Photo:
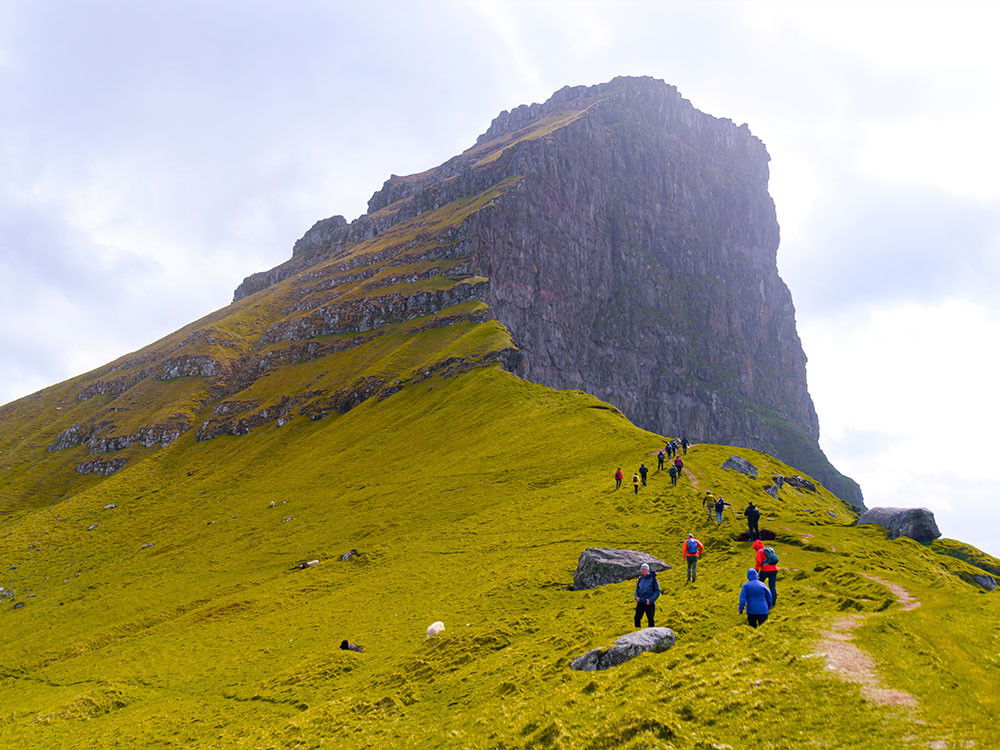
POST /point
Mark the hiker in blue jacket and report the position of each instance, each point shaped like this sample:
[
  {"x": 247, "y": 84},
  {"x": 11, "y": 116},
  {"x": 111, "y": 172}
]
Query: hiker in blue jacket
[
  {"x": 755, "y": 597},
  {"x": 647, "y": 590}
]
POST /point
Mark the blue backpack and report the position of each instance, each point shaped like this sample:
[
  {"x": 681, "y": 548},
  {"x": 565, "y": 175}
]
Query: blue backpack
[{"x": 692, "y": 546}]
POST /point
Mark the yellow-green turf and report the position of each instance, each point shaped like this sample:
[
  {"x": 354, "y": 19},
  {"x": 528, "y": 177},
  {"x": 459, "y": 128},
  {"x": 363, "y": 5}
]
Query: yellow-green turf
[{"x": 469, "y": 498}]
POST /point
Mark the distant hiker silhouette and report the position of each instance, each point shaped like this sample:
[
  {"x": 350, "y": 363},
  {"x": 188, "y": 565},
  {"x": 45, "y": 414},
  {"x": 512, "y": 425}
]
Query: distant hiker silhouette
[
  {"x": 752, "y": 514},
  {"x": 685, "y": 444},
  {"x": 756, "y": 599},
  {"x": 673, "y": 475},
  {"x": 659, "y": 457},
  {"x": 647, "y": 590},
  {"x": 692, "y": 551},
  {"x": 642, "y": 472},
  {"x": 720, "y": 505},
  {"x": 635, "y": 483},
  {"x": 618, "y": 478},
  {"x": 766, "y": 564}
]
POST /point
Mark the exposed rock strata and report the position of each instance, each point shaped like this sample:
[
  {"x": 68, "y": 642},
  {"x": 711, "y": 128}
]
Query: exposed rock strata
[{"x": 634, "y": 258}]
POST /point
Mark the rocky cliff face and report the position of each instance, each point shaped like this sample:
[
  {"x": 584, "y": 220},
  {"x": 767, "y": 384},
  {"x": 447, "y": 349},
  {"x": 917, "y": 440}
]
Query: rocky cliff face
[{"x": 630, "y": 248}]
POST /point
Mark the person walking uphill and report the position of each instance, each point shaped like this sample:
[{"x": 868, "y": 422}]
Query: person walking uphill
[
  {"x": 692, "y": 551},
  {"x": 720, "y": 505},
  {"x": 618, "y": 478},
  {"x": 685, "y": 444},
  {"x": 642, "y": 472},
  {"x": 756, "y": 599},
  {"x": 679, "y": 465},
  {"x": 635, "y": 483},
  {"x": 767, "y": 566},
  {"x": 752, "y": 514},
  {"x": 647, "y": 591},
  {"x": 659, "y": 457}
]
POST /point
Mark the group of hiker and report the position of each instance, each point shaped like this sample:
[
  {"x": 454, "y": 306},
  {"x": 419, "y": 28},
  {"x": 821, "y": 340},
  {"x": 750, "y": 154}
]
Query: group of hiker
[{"x": 757, "y": 596}]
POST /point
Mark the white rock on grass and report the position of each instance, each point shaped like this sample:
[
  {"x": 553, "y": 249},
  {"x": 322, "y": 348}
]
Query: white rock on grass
[{"x": 434, "y": 628}]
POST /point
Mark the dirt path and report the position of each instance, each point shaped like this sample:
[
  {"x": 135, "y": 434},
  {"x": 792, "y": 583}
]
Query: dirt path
[
  {"x": 689, "y": 475},
  {"x": 852, "y": 664}
]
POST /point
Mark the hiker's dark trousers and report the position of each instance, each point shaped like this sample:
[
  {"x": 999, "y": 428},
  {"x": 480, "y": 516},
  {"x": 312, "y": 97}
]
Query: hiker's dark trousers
[
  {"x": 618, "y": 483},
  {"x": 648, "y": 609},
  {"x": 755, "y": 620},
  {"x": 771, "y": 577},
  {"x": 692, "y": 569},
  {"x": 673, "y": 479},
  {"x": 661, "y": 462},
  {"x": 752, "y": 528}
]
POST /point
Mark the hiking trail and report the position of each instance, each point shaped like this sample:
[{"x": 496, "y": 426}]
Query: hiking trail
[{"x": 852, "y": 664}]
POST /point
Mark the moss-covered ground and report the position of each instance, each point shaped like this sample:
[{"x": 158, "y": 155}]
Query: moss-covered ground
[{"x": 469, "y": 499}]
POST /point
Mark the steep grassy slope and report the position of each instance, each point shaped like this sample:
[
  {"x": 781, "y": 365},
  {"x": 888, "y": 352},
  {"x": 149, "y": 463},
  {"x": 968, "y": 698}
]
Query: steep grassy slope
[{"x": 469, "y": 497}]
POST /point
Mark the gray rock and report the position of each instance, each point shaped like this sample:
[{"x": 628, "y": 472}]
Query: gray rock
[
  {"x": 740, "y": 464},
  {"x": 146, "y": 546},
  {"x": 601, "y": 566},
  {"x": 655, "y": 640},
  {"x": 92, "y": 527},
  {"x": 110, "y": 506},
  {"x": 772, "y": 490},
  {"x": 18, "y": 605},
  {"x": 348, "y": 555},
  {"x": 915, "y": 523},
  {"x": 987, "y": 582}
]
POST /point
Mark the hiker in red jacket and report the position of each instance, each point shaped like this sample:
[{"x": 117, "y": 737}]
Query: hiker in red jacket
[
  {"x": 768, "y": 571},
  {"x": 692, "y": 551},
  {"x": 618, "y": 478},
  {"x": 679, "y": 464}
]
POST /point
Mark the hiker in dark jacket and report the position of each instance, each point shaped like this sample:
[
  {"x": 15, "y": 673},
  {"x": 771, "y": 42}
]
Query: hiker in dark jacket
[
  {"x": 720, "y": 505},
  {"x": 647, "y": 590},
  {"x": 768, "y": 571},
  {"x": 685, "y": 444},
  {"x": 670, "y": 449},
  {"x": 692, "y": 551},
  {"x": 756, "y": 599},
  {"x": 659, "y": 457},
  {"x": 642, "y": 472},
  {"x": 673, "y": 475},
  {"x": 752, "y": 514}
]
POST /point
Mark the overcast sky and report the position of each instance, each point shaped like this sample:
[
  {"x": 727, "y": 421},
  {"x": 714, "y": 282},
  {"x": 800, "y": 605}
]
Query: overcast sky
[{"x": 152, "y": 154}]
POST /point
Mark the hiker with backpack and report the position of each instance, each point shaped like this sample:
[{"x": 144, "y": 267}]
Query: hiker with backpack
[
  {"x": 635, "y": 483},
  {"x": 642, "y": 472},
  {"x": 709, "y": 502},
  {"x": 767, "y": 566},
  {"x": 756, "y": 599},
  {"x": 647, "y": 590},
  {"x": 659, "y": 457},
  {"x": 720, "y": 505},
  {"x": 752, "y": 514},
  {"x": 685, "y": 444},
  {"x": 679, "y": 463},
  {"x": 618, "y": 478},
  {"x": 692, "y": 551},
  {"x": 673, "y": 475}
]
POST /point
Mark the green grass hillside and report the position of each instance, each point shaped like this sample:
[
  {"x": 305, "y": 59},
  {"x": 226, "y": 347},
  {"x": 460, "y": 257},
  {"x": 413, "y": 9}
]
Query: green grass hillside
[{"x": 469, "y": 496}]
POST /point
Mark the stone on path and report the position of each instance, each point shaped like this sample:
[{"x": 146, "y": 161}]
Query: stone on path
[
  {"x": 916, "y": 523},
  {"x": 626, "y": 647},
  {"x": 601, "y": 566},
  {"x": 740, "y": 464}
]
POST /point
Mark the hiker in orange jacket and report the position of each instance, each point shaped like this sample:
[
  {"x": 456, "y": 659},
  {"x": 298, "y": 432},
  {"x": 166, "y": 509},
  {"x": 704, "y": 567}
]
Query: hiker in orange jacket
[
  {"x": 692, "y": 551},
  {"x": 768, "y": 571}
]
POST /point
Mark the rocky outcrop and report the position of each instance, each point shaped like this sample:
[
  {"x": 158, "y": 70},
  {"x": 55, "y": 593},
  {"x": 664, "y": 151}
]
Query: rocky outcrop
[
  {"x": 655, "y": 640},
  {"x": 601, "y": 566},
  {"x": 916, "y": 523},
  {"x": 105, "y": 467},
  {"x": 796, "y": 482},
  {"x": 740, "y": 464},
  {"x": 984, "y": 581},
  {"x": 629, "y": 242}
]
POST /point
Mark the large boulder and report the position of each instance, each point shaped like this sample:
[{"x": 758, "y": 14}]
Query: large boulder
[
  {"x": 985, "y": 581},
  {"x": 740, "y": 464},
  {"x": 626, "y": 647},
  {"x": 915, "y": 523},
  {"x": 601, "y": 566}
]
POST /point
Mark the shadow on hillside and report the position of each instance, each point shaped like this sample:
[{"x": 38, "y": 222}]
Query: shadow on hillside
[{"x": 766, "y": 534}]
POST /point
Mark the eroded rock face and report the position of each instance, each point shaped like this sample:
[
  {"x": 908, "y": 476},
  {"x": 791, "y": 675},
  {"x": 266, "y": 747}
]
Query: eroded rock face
[
  {"x": 916, "y": 523},
  {"x": 740, "y": 464},
  {"x": 655, "y": 640},
  {"x": 601, "y": 566}
]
